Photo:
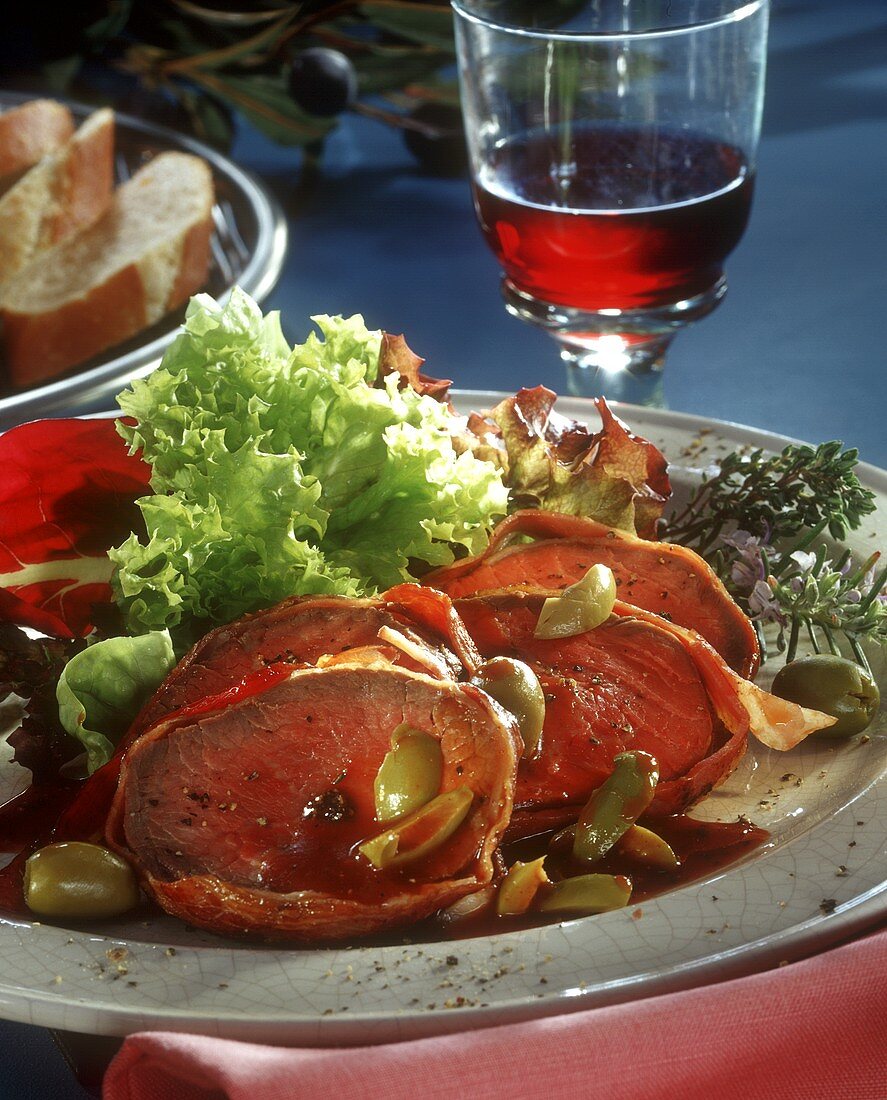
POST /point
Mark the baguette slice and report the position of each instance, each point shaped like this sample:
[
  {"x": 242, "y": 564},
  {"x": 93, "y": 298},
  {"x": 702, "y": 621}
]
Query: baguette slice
[
  {"x": 145, "y": 256},
  {"x": 64, "y": 192},
  {"x": 29, "y": 133}
]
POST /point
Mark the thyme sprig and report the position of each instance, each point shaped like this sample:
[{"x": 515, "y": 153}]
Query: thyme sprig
[
  {"x": 782, "y": 494},
  {"x": 757, "y": 519}
]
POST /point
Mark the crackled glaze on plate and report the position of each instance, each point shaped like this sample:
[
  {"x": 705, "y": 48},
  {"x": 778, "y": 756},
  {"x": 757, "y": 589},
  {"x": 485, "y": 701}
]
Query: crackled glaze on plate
[{"x": 822, "y": 877}]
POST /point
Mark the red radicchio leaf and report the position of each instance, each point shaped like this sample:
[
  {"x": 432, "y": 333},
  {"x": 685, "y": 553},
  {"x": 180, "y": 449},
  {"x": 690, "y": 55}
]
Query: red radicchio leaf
[
  {"x": 67, "y": 489},
  {"x": 556, "y": 463},
  {"x": 395, "y": 357}
]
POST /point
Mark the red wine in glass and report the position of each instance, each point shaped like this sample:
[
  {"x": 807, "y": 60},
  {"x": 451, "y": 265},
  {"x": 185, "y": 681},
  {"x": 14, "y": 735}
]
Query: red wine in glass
[{"x": 601, "y": 217}]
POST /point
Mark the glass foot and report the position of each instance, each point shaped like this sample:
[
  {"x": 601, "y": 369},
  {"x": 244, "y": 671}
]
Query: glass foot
[
  {"x": 614, "y": 353},
  {"x": 618, "y": 367}
]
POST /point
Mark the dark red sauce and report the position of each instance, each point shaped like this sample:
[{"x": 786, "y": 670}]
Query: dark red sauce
[
  {"x": 76, "y": 810},
  {"x": 703, "y": 848}
]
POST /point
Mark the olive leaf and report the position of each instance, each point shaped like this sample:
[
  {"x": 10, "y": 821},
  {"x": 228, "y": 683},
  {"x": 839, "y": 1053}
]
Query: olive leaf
[
  {"x": 110, "y": 25},
  {"x": 265, "y": 101},
  {"x": 377, "y": 74},
  {"x": 435, "y": 90},
  {"x": 211, "y": 121},
  {"x": 430, "y": 24},
  {"x": 236, "y": 51}
]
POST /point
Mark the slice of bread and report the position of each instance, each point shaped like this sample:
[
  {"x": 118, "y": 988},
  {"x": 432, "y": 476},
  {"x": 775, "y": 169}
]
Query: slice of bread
[
  {"x": 30, "y": 132},
  {"x": 148, "y": 254},
  {"x": 64, "y": 192}
]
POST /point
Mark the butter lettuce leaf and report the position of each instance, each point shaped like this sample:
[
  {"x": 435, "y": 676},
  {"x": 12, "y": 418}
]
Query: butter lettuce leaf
[
  {"x": 279, "y": 472},
  {"x": 102, "y": 689}
]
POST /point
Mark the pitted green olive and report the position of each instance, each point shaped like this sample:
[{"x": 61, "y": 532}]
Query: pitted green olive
[
  {"x": 833, "y": 685},
  {"x": 615, "y": 806},
  {"x": 516, "y": 687},
  {"x": 421, "y": 833},
  {"x": 648, "y": 848},
  {"x": 410, "y": 774},
  {"x": 586, "y": 894},
  {"x": 79, "y": 881},
  {"x": 520, "y": 886},
  {"x": 580, "y": 607}
]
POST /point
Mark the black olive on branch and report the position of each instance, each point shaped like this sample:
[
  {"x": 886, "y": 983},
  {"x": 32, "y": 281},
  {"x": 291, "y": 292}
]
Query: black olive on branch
[{"x": 322, "y": 81}]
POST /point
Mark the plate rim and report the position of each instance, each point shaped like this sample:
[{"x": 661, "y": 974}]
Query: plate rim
[{"x": 56, "y": 1008}]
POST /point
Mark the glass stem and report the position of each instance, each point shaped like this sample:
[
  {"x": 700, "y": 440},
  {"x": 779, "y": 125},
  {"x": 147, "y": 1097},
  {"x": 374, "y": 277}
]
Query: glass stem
[{"x": 615, "y": 365}]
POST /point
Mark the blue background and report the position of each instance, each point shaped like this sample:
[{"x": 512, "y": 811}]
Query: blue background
[{"x": 797, "y": 346}]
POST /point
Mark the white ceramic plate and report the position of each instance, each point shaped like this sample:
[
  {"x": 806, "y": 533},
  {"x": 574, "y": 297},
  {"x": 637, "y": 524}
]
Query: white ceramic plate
[{"x": 821, "y": 878}]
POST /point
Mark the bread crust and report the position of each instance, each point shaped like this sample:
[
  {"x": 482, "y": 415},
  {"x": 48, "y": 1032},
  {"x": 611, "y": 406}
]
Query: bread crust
[
  {"x": 43, "y": 345},
  {"x": 62, "y": 194},
  {"x": 85, "y": 182},
  {"x": 30, "y": 132},
  {"x": 194, "y": 264},
  {"x": 45, "y": 339}
]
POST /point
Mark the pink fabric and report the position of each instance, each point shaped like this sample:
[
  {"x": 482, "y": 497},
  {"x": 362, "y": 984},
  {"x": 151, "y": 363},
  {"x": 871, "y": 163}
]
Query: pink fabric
[{"x": 815, "y": 1030}]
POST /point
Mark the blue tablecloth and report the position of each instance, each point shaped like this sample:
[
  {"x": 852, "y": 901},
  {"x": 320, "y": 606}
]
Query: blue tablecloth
[{"x": 797, "y": 346}]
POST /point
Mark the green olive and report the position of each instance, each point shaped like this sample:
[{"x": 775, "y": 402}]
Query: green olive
[
  {"x": 833, "y": 685},
  {"x": 647, "y": 848},
  {"x": 587, "y": 894},
  {"x": 516, "y": 687},
  {"x": 520, "y": 886},
  {"x": 615, "y": 806},
  {"x": 421, "y": 833},
  {"x": 580, "y": 607},
  {"x": 79, "y": 881},
  {"x": 410, "y": 774}
]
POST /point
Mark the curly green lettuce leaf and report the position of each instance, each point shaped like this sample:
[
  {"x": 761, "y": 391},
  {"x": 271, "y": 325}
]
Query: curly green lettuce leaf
[
  {"x": 424, "y": 500},
  {"x": 279, "y": 473},
  {"x": 102, "y": 689}
]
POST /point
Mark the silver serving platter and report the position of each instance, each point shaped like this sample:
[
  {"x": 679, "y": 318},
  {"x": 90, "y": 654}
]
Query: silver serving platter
[{"x": 248, "y": 249}]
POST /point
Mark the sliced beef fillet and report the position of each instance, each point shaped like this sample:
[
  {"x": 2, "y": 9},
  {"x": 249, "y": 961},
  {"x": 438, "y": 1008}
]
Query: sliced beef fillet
[
  {"x": 635, "y": 682},
  {"x": 626, "y": 685},
  {"x": 409, "y": 625},
  {"x": 657, "y": 576},
  {"x": 247, "y": 819}
]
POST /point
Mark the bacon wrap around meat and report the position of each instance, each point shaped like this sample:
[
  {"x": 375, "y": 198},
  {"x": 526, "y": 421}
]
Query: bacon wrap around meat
[
  {"x": 245, "y": 819},
  {"x": 635, "y": 682},
  {"x": 629, "y": 684},
  {"x": 668, "y": 580},
  {"x": 409, "y": 625}
]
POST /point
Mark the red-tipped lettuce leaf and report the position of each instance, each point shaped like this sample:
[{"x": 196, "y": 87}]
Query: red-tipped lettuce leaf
[
  {"x": 67, "y": 489},
  {"x": 556, "y": 463},
  {"x": 396, "y": 357}
]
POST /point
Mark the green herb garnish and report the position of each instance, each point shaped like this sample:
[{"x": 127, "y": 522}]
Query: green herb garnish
[{"x": 757, "y": 519}]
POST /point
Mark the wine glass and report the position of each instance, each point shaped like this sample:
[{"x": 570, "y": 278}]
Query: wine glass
[{"x": 612, "y": 147}]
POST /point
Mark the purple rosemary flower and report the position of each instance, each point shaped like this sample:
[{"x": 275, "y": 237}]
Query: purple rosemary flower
[
  {"x": 764, "y": 606},
  {"x": 747, "y": 569}
]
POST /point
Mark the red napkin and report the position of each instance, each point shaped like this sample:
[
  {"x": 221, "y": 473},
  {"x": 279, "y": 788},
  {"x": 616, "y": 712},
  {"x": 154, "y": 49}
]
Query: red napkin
[{"x": 815, "y": 1030}]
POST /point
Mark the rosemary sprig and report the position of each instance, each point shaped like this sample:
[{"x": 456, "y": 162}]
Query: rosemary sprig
[
  {"x": 819, "y": 594},
  {"x": 757, "y": 520}
]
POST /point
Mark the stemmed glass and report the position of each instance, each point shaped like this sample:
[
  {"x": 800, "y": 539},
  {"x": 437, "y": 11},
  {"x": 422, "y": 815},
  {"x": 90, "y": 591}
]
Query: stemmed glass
[{"x": 612, "y": 147}]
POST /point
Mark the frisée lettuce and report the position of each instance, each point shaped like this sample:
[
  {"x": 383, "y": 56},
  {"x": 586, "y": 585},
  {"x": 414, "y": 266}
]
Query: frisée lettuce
[{"x": 278, "y": 472}]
